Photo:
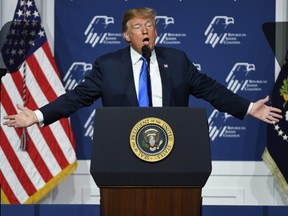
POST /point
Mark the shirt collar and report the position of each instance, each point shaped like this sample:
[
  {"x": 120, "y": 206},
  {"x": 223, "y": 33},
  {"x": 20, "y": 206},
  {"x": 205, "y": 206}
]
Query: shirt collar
[{"x": 135, "y": 56}]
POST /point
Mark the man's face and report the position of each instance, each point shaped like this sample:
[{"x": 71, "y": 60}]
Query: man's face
[{"x": 140, "y": 32}]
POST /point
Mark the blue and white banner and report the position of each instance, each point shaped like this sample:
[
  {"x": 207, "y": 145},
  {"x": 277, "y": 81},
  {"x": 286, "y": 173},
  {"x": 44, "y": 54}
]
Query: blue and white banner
[{"x": 223, "y": 38}]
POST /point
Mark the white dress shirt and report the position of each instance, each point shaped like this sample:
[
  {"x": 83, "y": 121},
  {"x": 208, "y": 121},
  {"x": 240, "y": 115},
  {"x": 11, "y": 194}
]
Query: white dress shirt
[{"x": 156, "y": 84}]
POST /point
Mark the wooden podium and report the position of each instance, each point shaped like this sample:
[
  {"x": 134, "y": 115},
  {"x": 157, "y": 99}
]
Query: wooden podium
[{"x": 133, "y": 185}]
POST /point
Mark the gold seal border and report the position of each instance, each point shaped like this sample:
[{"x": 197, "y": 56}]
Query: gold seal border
[{"x": 133, "y": 139}]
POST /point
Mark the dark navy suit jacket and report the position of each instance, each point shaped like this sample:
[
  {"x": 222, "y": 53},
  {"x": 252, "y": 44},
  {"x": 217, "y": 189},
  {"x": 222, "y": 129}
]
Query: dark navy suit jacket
[{"x": 112, "y": 80}]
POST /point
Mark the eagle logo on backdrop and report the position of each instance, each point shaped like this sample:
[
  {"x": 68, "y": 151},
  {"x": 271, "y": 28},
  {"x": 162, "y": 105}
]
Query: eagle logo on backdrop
[
  {"x": 151, "y": 139},
  {"x": 165, "y": 36},
  {"x": 216, "y": 32},
  {"x": 75, "y": 74},
  {"x": 163, "y": 21},
  {"x": 97, "y": 31},
  {"x": 237, "y": 79}
]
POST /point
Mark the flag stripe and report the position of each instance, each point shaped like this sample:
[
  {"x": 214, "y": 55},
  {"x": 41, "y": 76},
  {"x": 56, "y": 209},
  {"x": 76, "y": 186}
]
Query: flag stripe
[
  {"x": 51, "y": 80},
  {"x": 49, "y": 55},
  {"x": 15, "y": 158},
  {"x": 40, "y": 78},
  {"x": 4, "y": 184}
]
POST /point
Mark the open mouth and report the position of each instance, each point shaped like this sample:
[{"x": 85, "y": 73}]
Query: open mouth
[{"x": 146, "y": 41}]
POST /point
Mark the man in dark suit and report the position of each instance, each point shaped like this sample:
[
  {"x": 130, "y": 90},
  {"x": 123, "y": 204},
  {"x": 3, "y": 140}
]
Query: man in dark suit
[{"x": 115, "y": 78}]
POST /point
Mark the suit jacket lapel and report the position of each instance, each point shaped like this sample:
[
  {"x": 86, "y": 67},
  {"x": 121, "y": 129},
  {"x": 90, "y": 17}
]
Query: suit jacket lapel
[
  {"x": 163, "y": 64},
  {"x": 127, "y": 77}
]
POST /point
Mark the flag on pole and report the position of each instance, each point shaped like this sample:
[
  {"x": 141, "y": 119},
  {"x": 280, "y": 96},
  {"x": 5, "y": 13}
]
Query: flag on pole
[
  {"x": 28, "y": 174},
  {"x": 276, "y": 151}
]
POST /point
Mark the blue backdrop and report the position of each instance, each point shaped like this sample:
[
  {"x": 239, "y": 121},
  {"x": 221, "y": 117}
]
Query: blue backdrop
[{"x": 223, "y": 38}]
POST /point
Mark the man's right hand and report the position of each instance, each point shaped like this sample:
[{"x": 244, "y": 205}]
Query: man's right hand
[{"x": 25, "y": 118}]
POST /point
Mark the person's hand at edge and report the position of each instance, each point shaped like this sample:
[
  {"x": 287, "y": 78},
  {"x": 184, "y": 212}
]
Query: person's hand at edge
[
  {"x": 265, "y": 113},
  {"x": 25, "y": 118}
]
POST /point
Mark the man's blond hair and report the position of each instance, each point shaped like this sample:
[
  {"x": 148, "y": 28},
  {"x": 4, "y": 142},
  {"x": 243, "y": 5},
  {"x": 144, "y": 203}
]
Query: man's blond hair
[{"x": 144, "y": 12}]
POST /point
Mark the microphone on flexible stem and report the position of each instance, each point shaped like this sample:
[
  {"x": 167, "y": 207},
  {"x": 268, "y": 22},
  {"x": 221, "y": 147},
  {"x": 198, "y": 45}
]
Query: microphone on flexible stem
[{"x": 146, "y": 53}]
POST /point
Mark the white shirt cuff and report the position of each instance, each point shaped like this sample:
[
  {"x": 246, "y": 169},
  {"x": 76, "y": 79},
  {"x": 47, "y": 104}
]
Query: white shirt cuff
[
  {"x": 250, "y": 108},
  {"x": 40, "y": 117}
]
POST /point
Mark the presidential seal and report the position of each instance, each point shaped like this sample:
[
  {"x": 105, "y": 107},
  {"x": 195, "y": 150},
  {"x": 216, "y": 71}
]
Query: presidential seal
[{"x": 151, "y": 139}]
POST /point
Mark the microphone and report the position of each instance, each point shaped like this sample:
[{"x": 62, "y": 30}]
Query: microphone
[{"x": 146, "y": 52}]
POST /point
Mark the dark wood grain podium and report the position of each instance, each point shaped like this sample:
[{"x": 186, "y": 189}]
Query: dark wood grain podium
[{"x": 131, "y": 186}]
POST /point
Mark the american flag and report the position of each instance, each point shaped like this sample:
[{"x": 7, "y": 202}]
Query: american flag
[{"x": 26, "y": 176}]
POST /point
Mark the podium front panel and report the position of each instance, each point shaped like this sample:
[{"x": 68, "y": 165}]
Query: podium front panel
[{"x": 113, "y": 162}]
